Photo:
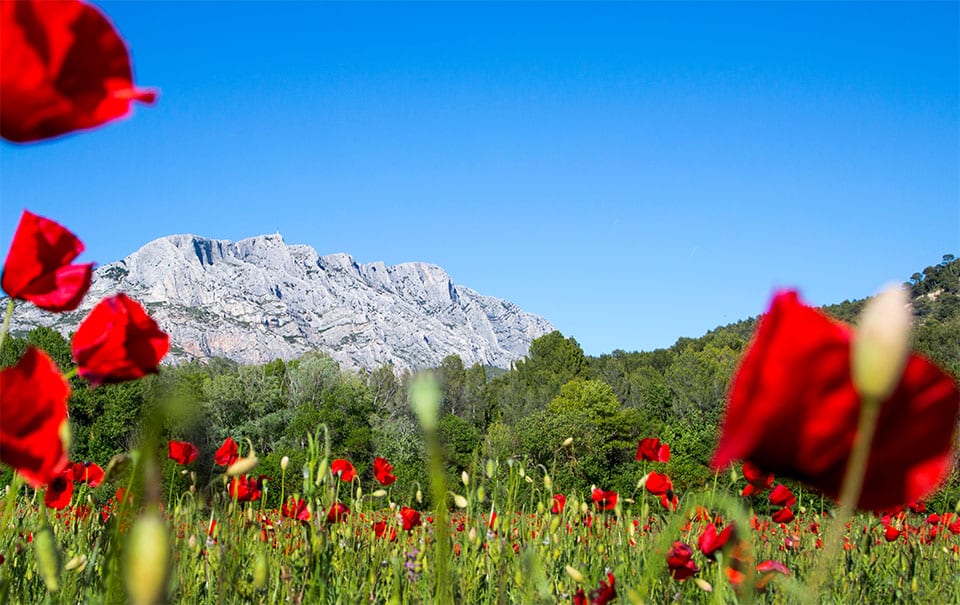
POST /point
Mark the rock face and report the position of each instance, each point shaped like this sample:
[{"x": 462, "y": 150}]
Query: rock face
[{"x": 258, "y": 299}]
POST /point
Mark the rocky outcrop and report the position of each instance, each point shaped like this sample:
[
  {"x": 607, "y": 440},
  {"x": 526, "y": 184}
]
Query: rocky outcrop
[{"x": 258, "y": 299}]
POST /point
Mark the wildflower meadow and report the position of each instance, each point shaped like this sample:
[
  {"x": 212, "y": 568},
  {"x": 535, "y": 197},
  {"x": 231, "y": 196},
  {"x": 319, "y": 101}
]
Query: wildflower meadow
[{"x": 833, "y": 479}]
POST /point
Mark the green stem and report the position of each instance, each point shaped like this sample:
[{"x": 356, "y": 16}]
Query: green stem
[
  {"x": 6, "y": 323},
  {"x": 849, "y": 494}
]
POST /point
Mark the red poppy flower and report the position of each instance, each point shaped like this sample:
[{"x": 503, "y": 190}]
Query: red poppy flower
[
  {"x": 380, "y": 531},
  {"x": 89, "y": 473},
  {"x": 228, "y": 453},
  {"x": 599, "y": 596},
  {"x": 182, "y": 452},
  {"x": 64, "y": 68},
  {"x": 793, "y": 410},
  {"x": 383, "y": 471},
  {"x": 410, "y": 518},
  {"x": 784, "y": 515},
  {"x": 891, "y": 533},
  {"x": 296, "y": 508},
  {"x": 710, "y": 541},
  {"x": 33, "y": 410},
  {"x": 337, "y": 513},
  {"x": 782, "y": 496},
  {"x": 604, "y": 500},
  {"x": 38, "y": 266},
  {"x": 118, "y": 341},
  {"x": 60, "y": 490},
  {"x": 559, "y": 503},
  {"x": 652, "y": 450},
  {"x": 757, "y": 479},
  {"x": 680, "y": 562},
  {"x": 245, "y": 488},
  {"x": 343, "y": 469}
]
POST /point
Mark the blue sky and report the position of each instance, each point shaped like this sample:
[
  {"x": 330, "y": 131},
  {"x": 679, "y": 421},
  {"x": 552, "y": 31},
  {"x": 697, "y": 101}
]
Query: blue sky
[{"x": 632, "y": 172}]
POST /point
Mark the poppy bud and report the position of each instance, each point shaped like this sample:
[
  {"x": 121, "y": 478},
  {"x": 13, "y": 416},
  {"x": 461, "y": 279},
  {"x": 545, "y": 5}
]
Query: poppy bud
[
  {"x": 260, "y": 571},
  {"x": 419, "y": 496},
  {"x": 481, "y": 494},
  {"x": 47, "y": 553},
  {"x": 490, "y": 468},
  {"x": 425, "y": 400},
  {"x": 547, "y": 483},
  {"x": 242, "y": 466},
  {"x": 881, "y": 344},
  {"x": 322, "y": 471},
  {"x": 380, "y": 493},
  {"x": 147, "y": 555},
  {"x": 574, "y": 574},
  {"x": 567, "y": 442},
  {"x": 465, "y": 478},
  {"x": 460, "y": 501},
  {"x": 78, "y": 563},
  {"x": 284, "y": 463}
]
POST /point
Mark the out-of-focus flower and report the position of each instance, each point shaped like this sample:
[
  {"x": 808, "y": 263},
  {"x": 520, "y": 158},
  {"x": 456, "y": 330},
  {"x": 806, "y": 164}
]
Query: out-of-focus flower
[
  {"x": 793, "y": 410},
  {"x": 559, "y": 503},
  {"x": 652, "y": 450},
  {"x": 383, "y": 471},
  {"x": 757, "y": 479},
  {"x": 87, "y": 472},
  {"x": 296, "y": 508},
  {"x": 118, "y": 341},
  {"x": 711, "y": 541},
  {"x": 63, "y": 68},
  {"x": 782, "y": 496},
  {"x": 604, "y": 500},
  {"x": 33, "y": 412},
  {"x": 38, "y": 266},
  {"x": 337, "y": 513},
  {"x": 182, "y": 452},
  {"x": 59, "y": 490},
  {"x": 680, "y": 562},
  {"x": 246, "y": 488},
  {"x": 409, "y": 518}
]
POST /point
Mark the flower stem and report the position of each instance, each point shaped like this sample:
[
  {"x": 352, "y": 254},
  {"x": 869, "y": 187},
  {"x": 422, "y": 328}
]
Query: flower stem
[
  {"x": 849, "y": 493},
  {"x": 6, "y": 322}
]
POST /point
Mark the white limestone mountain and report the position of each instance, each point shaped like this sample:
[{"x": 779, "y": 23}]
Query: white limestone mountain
[{"x": 258, "y": 299}]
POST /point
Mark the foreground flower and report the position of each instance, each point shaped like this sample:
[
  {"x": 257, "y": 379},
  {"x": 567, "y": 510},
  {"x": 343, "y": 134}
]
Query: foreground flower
[
  {"x": 33, "y": 412},
  {"x": 227, "y": 453},
  {"x": 383, "y": 471},
  {"x": 343, "y": 469},
  {"x": 793, "y": 410},
  {"x": 64, "y": 68},
  {"x": 652, "y": 450},
  {"x": 118, "y": 341},
  {"x": 38, "y": 266},
  {"x": 182, "y": 452}
]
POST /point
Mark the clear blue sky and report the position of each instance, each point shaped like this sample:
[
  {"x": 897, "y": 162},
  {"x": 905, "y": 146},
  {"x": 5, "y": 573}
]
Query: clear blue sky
[{"x": 632, "y": 172}]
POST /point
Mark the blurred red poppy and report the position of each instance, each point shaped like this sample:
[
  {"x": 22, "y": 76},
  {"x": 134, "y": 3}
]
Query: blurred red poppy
[
  {"x": 337, "y": 513},
  {"x": 87, "y": 472},
  {"x": 182, "y": 452},
  {"x": 784, "y": 515},
  {"x": 559, "y": 503},
  {"x": 60, "y": 490},
  {"x": 228, "y": 453},
  {"x": 604, "y": 500},
  {"x": 380, "y": 531},
  {"x": 343, "y": 469},
  {"x": 599, "y": 596},
  {"x": 410, "y": 518},
  {"x": 782, "y": 496},
  {"x": 296, "y": 508},
  {"x": 64, "y": 68},
  {"x": 652, "y": 450},
  {"x": 793, "y": 410},
  {"x": 118, "y": 341},
  {"x": 680, "y": 561},
  {"x": 757, "y": 479},
  {"x": 33, "y": 411},
  {"x": 711, "y": 541},
  {"x": 38, "y": 266},
  {"x": 383, "y": 471}
]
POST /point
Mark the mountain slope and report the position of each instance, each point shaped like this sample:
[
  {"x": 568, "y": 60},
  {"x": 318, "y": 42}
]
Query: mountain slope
[{"x": 258, "y": 299}]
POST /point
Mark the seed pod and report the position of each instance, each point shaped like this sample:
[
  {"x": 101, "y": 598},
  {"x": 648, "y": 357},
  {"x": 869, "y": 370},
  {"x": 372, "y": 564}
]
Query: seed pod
[
  {"x": 47, "y": 553},
  {"x": 147, "y": 557},
  {"x": 575, "y": 575}
]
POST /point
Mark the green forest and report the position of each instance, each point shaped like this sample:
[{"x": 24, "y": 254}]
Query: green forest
[{"x": 527, "y": 413}]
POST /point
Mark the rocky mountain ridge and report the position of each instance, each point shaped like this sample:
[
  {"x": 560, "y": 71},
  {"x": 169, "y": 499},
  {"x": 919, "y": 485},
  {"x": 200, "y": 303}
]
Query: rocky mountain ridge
[{"x": 258, "y": 299}]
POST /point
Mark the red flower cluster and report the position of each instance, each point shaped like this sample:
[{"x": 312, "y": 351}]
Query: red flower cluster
[
  {"x": 383, "y": 471},
  {"x": 793, "y": 410},
  {"x": 652, "y": 450},
  {"x": 246, "y": 488},
  {"x": 38, "y": 266},
  {"x": 182, "y": 452},
  {"x": 64, "y": 68},
  {"x": 33, "y": 411},
  {"x": 409, "y": 518}
]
